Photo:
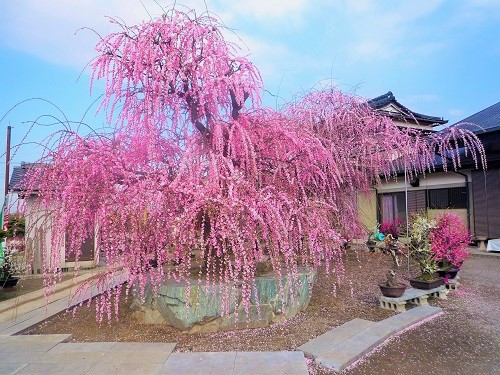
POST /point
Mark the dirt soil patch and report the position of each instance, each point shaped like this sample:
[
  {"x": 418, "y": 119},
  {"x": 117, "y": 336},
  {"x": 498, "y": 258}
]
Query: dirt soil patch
[{"x": 332, "y": 304}]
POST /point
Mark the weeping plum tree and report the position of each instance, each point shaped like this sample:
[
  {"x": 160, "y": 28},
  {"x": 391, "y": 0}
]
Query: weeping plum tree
[{"x": 195, "y": 164}]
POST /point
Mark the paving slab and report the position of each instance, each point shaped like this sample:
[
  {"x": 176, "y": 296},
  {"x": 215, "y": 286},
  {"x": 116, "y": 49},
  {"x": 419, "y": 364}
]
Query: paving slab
[
  {"x": 135, "y": 356},
  {"x": 270, "y": 363},
  {"x": 76, "y": 368},
  {"x": 82, "y": 347},
  {"x": 17, "y": 320},
  {"x": 201, "y": 363},
  {"x": 323, "y": 343},
  {"x": 19, "y": 357},
  {"x": 352, "y": 344},
  {"x": 121, "y": 369},
  {"x": 11, "y": 368},
  {"x": 55, "y": 338}
]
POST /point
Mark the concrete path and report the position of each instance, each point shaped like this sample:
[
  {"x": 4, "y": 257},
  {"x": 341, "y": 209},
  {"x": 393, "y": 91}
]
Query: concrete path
[
  {"x": 49, "y": 354},
  {"x": 342, "y": 346},
  {"x": 30, "y": 301},
  {"x": 33, "y": 311}
]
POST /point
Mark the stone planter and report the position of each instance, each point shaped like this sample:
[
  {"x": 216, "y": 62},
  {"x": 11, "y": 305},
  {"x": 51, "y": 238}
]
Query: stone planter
[{"x": 208, "y": 308}]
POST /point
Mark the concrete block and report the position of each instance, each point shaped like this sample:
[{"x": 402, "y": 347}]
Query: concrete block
[
  {"x": 441, "y": 293},
  {"x": 393, "y": 306},
  {"x": 420, "y": 300},
  {"x": 332, "y": 338},
  {"x": 452, "y": 284}
]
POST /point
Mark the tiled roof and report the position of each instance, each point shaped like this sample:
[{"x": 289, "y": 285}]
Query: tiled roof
[
  {"x": 386, "y": 99},
  {"x": 17, "y": 182},
  {"x": 488, "y": 119}
]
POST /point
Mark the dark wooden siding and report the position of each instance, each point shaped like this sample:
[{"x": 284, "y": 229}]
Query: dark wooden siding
[
  {"x": 486, "y": 198},
  {"x": 87, "y": 251},
  {"x": 417, "y": 201}
]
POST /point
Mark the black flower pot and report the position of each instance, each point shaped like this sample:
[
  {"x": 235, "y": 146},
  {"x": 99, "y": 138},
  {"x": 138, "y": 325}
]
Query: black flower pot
[
  {"x": 450, "y": 273},
  {"x": 9, "y": 283},
  {"x": 392, "y": 291},
  {"x": 426, "y": 284}
]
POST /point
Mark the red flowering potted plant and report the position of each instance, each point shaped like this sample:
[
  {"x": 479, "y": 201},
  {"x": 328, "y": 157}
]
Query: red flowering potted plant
[
  {"x": 392, "y": 227},
  {"x": 448, "y": 242}
]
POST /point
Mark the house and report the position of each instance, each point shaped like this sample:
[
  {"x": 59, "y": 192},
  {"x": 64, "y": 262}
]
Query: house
[
  {"x": 485, "y": 185},
  {"x": 467, "y": 192},
  {"x": 38, "y": 228},
  {"x": 388, "y": 106}
]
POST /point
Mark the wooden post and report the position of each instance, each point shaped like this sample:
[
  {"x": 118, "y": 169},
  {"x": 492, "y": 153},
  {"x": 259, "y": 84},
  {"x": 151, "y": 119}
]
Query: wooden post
[{"x": 7, "y": 162}]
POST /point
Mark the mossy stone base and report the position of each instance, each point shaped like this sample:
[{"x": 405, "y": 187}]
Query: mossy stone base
[{"x": 218, "y": 307}]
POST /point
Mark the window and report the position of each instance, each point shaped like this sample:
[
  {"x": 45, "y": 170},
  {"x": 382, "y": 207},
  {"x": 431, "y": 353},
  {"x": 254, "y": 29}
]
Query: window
[
  {"x": 448, "y": 198},
  {"x": 392, "y": 206}
]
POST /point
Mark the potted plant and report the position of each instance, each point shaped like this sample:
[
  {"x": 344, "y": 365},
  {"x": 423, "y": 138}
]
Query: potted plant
[
  {"x": 392, "y": 227},
  {"x": 448, "y": 243},
  {"x": 421, "y": 251},
  {"x": 371, "y": 242},
  {"x": 12, "y": 247},
  {"x": 8, "y": 269},
  {"x": 391, "y": 287}
]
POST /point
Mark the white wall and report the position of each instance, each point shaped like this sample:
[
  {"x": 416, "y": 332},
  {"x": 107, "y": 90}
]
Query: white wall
[{"x": 429, "y": 181}]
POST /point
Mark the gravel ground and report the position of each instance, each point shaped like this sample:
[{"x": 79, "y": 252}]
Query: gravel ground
[{"x": 465, "y": 340}]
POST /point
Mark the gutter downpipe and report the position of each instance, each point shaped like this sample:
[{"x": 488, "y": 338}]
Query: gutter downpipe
[{"x": 468, "y": 200}]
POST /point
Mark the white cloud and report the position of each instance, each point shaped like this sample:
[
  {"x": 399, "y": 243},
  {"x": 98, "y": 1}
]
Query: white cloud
[
  {"x": 456, "y": 112},
  {"x": 384, "y": 30},
  {"x": 46, "y": 29}
]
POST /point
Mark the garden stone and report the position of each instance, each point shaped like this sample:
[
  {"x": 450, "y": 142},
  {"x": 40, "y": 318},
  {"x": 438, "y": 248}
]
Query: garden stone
[{"x": 204, "y": 309}]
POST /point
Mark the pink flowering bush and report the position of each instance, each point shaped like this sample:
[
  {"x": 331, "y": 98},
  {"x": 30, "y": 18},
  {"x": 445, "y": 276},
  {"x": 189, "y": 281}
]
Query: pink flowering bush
[
  {"x": 449, "y": 240},
  {"x": 194, "y": 164}
]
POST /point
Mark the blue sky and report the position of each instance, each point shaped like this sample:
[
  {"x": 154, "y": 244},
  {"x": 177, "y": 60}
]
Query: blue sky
[{"x": 438, "y": 57}]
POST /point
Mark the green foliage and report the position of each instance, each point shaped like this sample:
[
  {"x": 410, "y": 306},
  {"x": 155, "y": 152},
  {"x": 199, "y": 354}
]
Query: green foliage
[
  {"x": 15, "y": 227},
  {"x": 420, "y": 244}
]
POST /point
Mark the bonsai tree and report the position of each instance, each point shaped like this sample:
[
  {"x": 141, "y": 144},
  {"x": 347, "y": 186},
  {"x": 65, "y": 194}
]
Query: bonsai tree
[
  {"x": 394, "y": 250},
  {"x": 421, "y": 247}
]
